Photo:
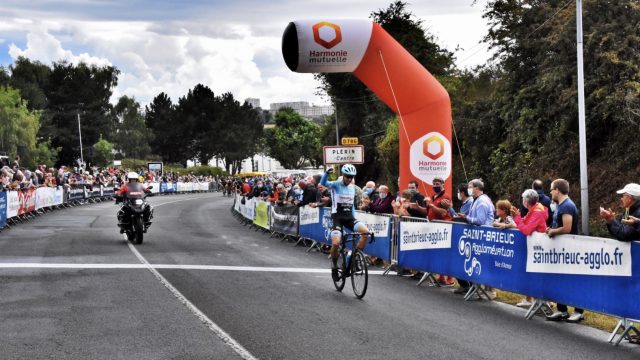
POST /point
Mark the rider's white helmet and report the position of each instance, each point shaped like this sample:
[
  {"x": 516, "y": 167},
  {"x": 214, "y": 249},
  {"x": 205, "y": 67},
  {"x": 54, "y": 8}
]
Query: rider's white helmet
[
  {"x": 348, "y": 169},
  {"x": 132, "y": 176}
]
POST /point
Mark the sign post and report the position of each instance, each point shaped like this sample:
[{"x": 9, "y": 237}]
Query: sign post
[{"x": 337, "y": 155}]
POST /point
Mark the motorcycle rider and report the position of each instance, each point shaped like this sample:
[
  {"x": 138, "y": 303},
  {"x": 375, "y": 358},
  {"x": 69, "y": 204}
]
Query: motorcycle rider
[{"x": 133, "y": 187}]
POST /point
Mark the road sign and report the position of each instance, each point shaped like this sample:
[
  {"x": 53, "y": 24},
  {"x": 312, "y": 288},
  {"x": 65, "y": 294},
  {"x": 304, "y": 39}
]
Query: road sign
[
  {"x": 334, "y": 155},
  {"x": 349, "y": 141}
]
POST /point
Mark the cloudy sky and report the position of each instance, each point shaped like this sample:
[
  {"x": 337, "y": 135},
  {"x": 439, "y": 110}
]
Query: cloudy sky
[{"x": 170, "y": 46}]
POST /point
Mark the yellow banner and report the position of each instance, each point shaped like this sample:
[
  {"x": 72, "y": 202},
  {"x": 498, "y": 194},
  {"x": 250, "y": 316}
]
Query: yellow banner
[{"x": 262, "y": 215}]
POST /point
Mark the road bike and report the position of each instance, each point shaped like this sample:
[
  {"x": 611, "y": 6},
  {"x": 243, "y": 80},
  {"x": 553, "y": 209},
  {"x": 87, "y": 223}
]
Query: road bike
[{"x": 352, "y": 263}]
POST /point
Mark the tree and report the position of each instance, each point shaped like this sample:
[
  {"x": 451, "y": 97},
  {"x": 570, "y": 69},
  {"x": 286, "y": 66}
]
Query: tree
[
  {"x": 132, "y": 134},
  {"x": 31, "y": 78},
  {"x": 293, "y": 140},
  {"x": 525, "y": 125},
  {"x": 19, "y": 128},
  {"x": 102, "y": 153},
  {"x": 199, "y": 116},
  {"x": 241, "y": 132},
  {"x": 74, "y": 90},
  {"x": 160, "y": 118}
]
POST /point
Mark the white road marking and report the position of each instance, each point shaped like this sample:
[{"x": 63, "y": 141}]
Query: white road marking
[
  {"x": 170, "y": 267},
  {"x": 226, "y": 338}
]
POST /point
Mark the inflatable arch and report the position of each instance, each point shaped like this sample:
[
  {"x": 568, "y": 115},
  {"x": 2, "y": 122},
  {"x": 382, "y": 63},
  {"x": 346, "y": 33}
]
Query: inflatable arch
[{"x": 397, "y": 78}]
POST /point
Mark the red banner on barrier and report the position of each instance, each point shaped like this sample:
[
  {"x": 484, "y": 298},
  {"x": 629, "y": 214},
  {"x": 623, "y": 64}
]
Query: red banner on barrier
[{"x": 27, "y": 201}]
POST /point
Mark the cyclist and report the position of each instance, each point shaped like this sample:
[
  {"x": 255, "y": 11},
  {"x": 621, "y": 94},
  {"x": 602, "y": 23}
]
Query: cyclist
[{"x": 343, "y": 213}]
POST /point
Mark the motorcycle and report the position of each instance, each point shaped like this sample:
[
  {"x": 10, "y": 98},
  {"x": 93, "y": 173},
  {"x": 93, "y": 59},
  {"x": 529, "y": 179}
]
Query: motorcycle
[{"x": 135, "y": 214}]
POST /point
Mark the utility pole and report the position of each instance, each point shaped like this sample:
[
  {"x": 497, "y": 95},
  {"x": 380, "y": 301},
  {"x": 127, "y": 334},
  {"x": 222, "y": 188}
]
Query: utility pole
[
  {"x": 584, "y": 182},
  {"x": 335, "y": 112},
  {"x": 80, "y": 135}
]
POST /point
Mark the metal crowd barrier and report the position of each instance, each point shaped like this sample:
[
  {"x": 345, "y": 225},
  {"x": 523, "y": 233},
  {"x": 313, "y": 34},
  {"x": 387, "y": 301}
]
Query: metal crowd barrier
[
  {"x": 23, "y": 205},
  {"x": 588, "y": 272}
]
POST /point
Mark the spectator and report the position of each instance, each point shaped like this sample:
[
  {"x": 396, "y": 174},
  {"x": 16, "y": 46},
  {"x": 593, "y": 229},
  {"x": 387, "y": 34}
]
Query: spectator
[
  {"x": 309, "y": 192},
  {"x": 482, "y": 209},
  {"x": 543, "y": 199},
  {"x": 536, "y": 219},
  {"x": 417, "y": 199},
  {"x": 371, "y": 191},
  {"x": 466, "y": 199},
  {"x": 438, "y": 207},
  {"x": 565, "y": 221},
  {"x": 503, "y": 219},
  {"x": 279, "y": 195},
  {"x": 626, "y": 229},
  {"x": 323, "y": 197},
  {"x": 383, "y": 204},
  {"x": 401, "y": 207},
  {"x": 481, "y": 213}
]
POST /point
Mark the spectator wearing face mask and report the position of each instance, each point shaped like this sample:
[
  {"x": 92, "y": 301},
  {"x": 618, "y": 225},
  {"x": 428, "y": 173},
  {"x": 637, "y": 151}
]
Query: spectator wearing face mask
[
  {"x": 382, "y": 205},
  {"x": 416, "y": 202},
  {"x": 372, "y": 192}
]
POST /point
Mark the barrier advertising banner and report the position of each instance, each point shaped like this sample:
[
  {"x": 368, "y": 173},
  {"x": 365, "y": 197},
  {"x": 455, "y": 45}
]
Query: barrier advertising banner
[
  {"x": 310, "y": 225},
  {"x": 592, "y": 273},
  {"x": 109, "y": 190},
  {"x": 168, "y": 187},
  {"x": 262, "y": 215},
  {"x": 3, "y": 209},
  {"x": 13, "y": 204},
  {"x": 381, "y": 227},
  {"x": 249, "y": 208},
  {"x": 27, "y": 201},
  {"x": 284, "y": 219},
  {"x": 236, "y": 203},
  {"x": 75, "y": 193}
]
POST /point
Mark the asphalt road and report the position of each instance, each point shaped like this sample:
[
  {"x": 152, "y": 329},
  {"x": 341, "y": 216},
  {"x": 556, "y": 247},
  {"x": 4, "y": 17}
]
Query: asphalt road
[{"x": 203, "y": 286}]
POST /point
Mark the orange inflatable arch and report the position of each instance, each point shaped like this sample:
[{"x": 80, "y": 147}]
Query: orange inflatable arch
[{"x": 397, "y": 78}]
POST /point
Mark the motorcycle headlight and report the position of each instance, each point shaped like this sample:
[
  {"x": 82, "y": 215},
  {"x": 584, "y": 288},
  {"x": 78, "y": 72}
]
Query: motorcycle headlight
[{"x": 139, "y": 202}]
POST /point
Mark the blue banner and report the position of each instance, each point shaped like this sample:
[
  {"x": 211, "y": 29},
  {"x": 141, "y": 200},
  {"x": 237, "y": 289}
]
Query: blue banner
[
  {"x": 310, "y": 223},
  {"x": 316, "y": 223},
  {"x": 593, "y": 273},
  {"x": 3, "y": 209},
  {"x": 168, "y": 187},
  {"x": 381, "y": 227}
]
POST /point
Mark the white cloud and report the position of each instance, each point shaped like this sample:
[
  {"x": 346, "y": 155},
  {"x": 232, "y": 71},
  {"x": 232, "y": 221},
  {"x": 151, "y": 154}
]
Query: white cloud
[
  {"x": 44, "y": 47},
  {"x": 221, "y": 45}
]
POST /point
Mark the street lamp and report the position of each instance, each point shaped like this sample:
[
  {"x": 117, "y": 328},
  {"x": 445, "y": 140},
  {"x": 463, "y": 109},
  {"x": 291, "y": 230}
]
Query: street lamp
[{"x": 80, "y": 135}]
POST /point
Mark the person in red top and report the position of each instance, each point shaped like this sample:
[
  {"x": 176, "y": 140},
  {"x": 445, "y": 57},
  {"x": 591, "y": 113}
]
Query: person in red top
[
  {"x": 437, "y": 208},
  {"x": 246, "y": 188},
  {"x": 132, "y": 184},
  {"x": 536, "y": 218}
]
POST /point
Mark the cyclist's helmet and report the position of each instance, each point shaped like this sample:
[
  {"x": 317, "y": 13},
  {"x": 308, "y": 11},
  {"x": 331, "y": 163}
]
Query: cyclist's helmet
[
  {"x": 132, "y": 176},
  {"x": 348, "y": 169}
]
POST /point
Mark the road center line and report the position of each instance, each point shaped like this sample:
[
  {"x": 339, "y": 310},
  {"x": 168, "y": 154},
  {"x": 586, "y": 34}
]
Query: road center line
[{"x": 226, "y": 338}]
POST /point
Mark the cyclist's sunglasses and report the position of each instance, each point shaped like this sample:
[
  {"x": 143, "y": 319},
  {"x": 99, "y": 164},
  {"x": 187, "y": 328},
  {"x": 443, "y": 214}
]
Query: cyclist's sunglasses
[{"x": 348, "y": 176}]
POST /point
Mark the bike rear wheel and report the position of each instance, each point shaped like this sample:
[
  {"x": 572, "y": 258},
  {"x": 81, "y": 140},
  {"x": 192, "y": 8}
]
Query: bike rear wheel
[
  {"x": 339, "y": 284},
  {"x": 359, "y": 274}
]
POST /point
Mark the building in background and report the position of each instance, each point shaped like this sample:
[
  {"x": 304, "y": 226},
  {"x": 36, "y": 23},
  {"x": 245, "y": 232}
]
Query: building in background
[
  {"x": 255, "y": 102},
  {"x": 308, "y": 111}
]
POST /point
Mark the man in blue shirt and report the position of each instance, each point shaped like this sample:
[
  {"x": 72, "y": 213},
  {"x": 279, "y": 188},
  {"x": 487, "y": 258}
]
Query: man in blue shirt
[
  {"x": 482, "y": 209},
  {"x": 565, "y": 221},
  {"x": 481, "y": 213}
]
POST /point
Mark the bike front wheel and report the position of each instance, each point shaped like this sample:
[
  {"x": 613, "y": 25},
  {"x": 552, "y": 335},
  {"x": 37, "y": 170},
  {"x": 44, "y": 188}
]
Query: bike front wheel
[{"x": 359, "y": 274}]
